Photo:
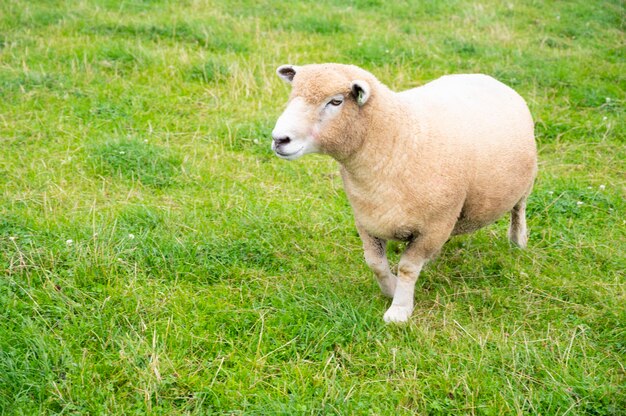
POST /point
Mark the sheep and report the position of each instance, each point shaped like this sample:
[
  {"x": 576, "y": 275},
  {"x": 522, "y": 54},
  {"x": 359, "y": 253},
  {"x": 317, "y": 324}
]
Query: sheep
[{"x": 418, "y": 166}]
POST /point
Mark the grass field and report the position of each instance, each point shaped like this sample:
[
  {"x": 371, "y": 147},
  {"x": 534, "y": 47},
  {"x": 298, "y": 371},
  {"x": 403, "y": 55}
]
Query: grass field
[{"x": 156, "y": 258}]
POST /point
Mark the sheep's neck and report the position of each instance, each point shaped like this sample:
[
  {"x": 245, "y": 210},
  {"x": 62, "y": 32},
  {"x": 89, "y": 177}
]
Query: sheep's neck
[{"x": 382, "y": 144}]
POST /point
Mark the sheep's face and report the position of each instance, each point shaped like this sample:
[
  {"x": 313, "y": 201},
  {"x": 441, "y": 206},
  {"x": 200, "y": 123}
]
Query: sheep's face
[{"x": 322, "y": 108}]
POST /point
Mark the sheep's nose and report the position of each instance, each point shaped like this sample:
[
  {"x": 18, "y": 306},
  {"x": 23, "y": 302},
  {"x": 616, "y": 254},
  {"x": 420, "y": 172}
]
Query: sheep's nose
[{"x": 280, "y": 140}]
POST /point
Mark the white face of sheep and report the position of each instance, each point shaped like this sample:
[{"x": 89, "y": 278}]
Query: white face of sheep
[{"x": 301, "y": 127}]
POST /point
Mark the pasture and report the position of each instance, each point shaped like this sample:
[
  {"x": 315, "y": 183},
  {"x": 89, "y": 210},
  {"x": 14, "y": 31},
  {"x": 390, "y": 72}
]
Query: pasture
[{"x": 157, "y": 258}]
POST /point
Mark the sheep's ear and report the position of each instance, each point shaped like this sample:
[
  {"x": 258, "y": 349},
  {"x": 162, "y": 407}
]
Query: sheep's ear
[
  {"x": 361, "y": 91},
  {"x": 287, "y": 72}
]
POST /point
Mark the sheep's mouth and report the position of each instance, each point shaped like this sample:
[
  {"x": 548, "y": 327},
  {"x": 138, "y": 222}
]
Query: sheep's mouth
[{"x": 290, "y": 155}]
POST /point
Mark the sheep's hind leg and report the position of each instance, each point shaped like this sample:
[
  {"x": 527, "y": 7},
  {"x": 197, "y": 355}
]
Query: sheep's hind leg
[
  {"x": 376, "y": 259},
  {"x": 517, "y": 230},
  {"x": 417, "y": 253}
]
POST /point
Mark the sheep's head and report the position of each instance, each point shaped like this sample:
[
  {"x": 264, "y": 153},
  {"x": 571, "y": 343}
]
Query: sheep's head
[{"x": 323, "y": 112}]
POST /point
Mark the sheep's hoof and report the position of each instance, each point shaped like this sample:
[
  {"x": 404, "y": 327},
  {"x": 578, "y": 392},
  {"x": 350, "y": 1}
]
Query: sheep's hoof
[
  {"x": 520, "y": 240},
  {"x": 519, "y": 237},
  {"x": 387, "y": 292},
  {"x": 398, "y": 314}
]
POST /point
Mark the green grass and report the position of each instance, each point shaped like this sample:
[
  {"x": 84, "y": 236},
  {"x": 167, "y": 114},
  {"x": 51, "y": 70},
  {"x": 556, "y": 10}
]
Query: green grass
[{"x": 156, "y": 258}]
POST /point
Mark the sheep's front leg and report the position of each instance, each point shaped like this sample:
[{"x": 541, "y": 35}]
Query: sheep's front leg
[
  {"x": 376, "y": 258},
  {"x": 417, "y": 253}
]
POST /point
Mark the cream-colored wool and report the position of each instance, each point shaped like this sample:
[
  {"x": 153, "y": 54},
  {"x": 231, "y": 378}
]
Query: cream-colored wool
[{"x": 420, "y": 165}]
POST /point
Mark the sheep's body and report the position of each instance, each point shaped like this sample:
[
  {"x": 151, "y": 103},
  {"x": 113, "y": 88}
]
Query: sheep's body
[
  {"x": 464, "y": 148},
  {"x": 419, "y": 165}
]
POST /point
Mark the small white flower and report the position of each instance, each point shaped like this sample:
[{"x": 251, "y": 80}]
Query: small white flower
[
  {"x": 131, "y": 236},
  {"x": 579, "y": 203},
  {"x": 255, "y": 141},
  {"x": 145, "y": 140},
  {"x": 69, "y": 242},
  {"x": 605, "y": 118},
  {"x": 12, "y": 238},
  {"x": 602, "y": 187},
  {"x": 122, "y": 152},
  {"x": 550, "y": 192},
  {"x": 119, "y": 259},
  {"x": 608, "y": 99},
  {"x": 589, "y": 187}
]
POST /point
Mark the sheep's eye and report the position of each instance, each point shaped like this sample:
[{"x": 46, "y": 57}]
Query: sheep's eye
[{"x": 335, "y": 102}]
